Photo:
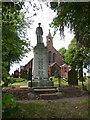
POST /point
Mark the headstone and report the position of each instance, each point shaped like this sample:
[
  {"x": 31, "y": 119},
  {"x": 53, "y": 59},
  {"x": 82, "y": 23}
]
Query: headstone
[
  {"x": 40, "y": 63},
  {"x": 73, "y": 77}
]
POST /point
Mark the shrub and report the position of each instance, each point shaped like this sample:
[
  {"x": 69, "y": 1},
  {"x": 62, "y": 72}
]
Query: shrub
[
  {"x": 6, "y": 82},
  {"x": 9, "y": 105}
]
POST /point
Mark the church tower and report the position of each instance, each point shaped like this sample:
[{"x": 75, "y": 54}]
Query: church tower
[{"x": 49, "y": 39}]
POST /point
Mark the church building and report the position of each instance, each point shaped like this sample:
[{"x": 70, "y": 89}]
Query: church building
[{"x": 55, "y": 61}]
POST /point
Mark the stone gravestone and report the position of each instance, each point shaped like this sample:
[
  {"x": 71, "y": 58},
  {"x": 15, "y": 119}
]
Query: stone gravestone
[
  {"x": 73, "y": 77},
  {"x": 40, "y": 63}
]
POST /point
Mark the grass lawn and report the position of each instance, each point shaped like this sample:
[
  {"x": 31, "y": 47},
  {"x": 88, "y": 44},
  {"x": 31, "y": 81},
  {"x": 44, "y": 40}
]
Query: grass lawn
[
  {"x": 55, "y": 80},
  {"x": 16, "y": 81},
  {"x": 52, "y": 109},
  {"x": 20, "y": 83},
  {"x": 64, "y": 82}
]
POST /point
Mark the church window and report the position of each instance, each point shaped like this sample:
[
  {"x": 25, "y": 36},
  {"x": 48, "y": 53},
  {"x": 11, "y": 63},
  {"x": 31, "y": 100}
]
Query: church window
[
  {"x": 54, "y": 57},
  {"x": 65, "y": 69},
  {"x": 50, "y": 56}
]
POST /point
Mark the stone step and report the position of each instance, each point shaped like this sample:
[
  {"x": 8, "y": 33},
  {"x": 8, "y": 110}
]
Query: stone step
[
  {"x": 45, "y": 87},
  {"x": 51, "y": 96},
  {"x": 24, "y": 87},
  {"x": 45, "y": 90}
]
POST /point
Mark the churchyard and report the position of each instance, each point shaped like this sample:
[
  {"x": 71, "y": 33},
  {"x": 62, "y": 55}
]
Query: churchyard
[
  {"x": 51, "y": 84},
  {"x": 74, "y": 103}
]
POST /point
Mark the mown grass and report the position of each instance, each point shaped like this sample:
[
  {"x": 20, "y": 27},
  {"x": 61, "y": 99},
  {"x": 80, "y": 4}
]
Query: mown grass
[
  {"x": 55, "y": 80},
  {"x": 20, "y": 83},
  {"x": 16, "y": 81},
  {"x": 53, "y": 109},
  {"x": 64, "y": 82}
]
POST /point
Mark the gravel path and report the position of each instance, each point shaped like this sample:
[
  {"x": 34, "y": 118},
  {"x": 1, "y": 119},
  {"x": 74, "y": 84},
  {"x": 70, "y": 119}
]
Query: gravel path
[{"x": 56, "y": 100}]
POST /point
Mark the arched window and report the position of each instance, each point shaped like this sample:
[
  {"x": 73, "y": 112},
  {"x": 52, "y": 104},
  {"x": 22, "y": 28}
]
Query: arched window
[
  {"x": 54, "y": 57},
  {"x": 50, "y": 56}
]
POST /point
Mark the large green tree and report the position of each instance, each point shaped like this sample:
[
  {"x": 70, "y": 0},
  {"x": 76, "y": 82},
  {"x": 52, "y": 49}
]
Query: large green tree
[
  {"x": 14, "y": 41},
  {"x": 62, "y": 51},
  {"x": 74, "y": 15},
  {"x": 77, "y": 57}
]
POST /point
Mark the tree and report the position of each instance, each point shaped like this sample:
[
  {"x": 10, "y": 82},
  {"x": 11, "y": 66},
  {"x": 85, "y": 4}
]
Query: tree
[
  {"x": 75, "y": 16},
  {"x": 74, "y": 56},
  {"x": 70, "y": 57},
  {"x": 62, "y": 51},
  {"x": 77, "y": 57},
  {"x": 14, "y": 40}
]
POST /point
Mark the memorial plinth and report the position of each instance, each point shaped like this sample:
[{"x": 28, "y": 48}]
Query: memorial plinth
[{"x": 40, "y": 63}]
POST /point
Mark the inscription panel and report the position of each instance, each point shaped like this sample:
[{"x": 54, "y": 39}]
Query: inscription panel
[{"x": 40, "y": 66}]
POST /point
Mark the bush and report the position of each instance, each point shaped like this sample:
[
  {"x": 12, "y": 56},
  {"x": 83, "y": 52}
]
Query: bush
[
  {"x": 6, "y": 82},
  {"x": 9, "y": 105}
]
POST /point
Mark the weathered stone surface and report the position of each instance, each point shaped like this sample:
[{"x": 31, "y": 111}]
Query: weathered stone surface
[
  {"x": 51, "y": 96},
  {"x": 40, "y": 66},
  {"x": 31, "y": 95},
  {"x": 41, "y": 83},
  {"x": 24, "y": 87},
  {"x": 30, "y": 89},
  {"x": 73, "y": 77},
  {"x": 44, "y": 90},
  {"x": 40, "y": 63}
]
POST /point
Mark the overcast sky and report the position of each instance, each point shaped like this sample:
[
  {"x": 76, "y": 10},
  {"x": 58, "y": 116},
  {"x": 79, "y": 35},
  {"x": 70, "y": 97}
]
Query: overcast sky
[{"x": 45, "y": 17}]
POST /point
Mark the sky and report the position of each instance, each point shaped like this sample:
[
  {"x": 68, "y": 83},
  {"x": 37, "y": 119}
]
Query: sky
[{"x": 44, "y": 17}]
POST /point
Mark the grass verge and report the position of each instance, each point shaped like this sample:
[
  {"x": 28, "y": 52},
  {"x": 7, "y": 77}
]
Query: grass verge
[{"x": 53, "y": 109}]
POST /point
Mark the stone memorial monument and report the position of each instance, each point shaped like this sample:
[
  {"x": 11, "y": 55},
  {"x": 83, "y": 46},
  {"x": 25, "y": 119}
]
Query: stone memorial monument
[{"x": 40, "y": 63}]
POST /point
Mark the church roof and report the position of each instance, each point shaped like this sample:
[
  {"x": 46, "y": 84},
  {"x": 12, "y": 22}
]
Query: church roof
[{"x": 52, "y": 64}]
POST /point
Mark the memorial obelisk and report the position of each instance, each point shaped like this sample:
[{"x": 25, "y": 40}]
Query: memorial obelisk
[{"x": 40, "y": 62}]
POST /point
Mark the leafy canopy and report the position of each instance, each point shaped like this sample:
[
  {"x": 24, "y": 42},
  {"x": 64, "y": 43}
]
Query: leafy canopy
[
  {"x": 14, "y": 38},
  {"x": 62, "y": 51},
  {"x": 77, "y": 57},
  {"x": 74, "y": 15}
]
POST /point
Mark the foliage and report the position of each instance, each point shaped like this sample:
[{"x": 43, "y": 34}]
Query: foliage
[
  {"x": 77, "y": 57},
  {"x": 73, "y": 15},
  {"x": 9, "y": 105},
  {"x": 14, "y": 40},
  {"x": 62, "y": 51}
]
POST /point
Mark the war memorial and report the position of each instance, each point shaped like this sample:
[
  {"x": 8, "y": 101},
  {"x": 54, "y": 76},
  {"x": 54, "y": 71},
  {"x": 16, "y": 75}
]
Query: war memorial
[{"x": 40, "y": 63}]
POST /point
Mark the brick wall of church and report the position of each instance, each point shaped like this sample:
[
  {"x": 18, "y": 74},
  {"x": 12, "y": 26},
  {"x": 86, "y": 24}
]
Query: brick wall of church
[
  {"x": 58, "y": 57},
  {"x": 64, "y": 70}
]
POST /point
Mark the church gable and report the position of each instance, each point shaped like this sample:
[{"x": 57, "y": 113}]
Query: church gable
[{"x": 53, "y": 54}]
